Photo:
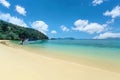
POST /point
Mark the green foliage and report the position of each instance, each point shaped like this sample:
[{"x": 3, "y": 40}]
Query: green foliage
[{"x": 14, "y": 32}]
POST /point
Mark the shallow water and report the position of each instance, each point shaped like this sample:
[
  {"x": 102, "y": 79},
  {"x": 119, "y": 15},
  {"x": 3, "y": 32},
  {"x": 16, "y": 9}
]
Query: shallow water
[
  {"x": 102, "y": 49},
  {"x": 103, "y": 53}
]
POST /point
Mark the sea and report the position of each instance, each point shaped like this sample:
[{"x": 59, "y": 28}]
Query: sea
[{"x": 107, "y": 51}]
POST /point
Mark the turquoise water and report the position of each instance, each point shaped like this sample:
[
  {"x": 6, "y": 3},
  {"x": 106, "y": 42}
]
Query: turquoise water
[
  {"x": 101, "y": 49},
  {"x": 104, "y": 54}
]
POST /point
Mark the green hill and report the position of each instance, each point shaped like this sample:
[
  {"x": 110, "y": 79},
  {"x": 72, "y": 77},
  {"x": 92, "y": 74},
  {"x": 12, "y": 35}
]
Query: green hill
[{"x": 10, "y": 31}]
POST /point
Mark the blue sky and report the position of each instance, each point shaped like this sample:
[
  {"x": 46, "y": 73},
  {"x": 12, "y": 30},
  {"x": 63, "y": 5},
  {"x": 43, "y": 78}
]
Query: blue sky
[{"x": 83, "y": 19}]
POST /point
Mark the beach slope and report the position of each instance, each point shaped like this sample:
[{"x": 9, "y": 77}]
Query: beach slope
[{"x": 19, "y": 64}]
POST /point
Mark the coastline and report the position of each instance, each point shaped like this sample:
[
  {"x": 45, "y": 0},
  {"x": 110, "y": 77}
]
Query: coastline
[{"x": 20, "y": 64}]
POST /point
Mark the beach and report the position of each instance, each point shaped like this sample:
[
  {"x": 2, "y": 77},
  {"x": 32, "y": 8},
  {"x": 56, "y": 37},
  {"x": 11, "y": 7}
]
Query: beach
[{"x": 19, "y": 64}]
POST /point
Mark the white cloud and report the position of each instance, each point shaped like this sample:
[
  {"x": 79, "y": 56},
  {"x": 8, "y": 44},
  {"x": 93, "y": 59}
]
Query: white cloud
[
  {"x": 21, "y": 10},
  {"x": 12, "y": 19},
  {"x": 40, "y": 26},
  {"x": 53, "y": 32},
  {"x": 110, "y": 21},
  {"x": 80, "y": 24},
  {"x": 97, "y": 2},
  {"x": 94, "y": 27},
  {"x": 5, "y": 3},
  {"x": 64, "y": 28},
  {"x": 85, "y": 26},
  {"x": 115, "y": 12},
  {"x": 107, "y": 35}
]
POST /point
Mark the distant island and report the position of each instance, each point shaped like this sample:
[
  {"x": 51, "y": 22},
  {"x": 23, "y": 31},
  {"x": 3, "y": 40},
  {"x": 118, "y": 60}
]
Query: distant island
[
  {"x": 66, "y": 38},
  {"x": 9, "y": 31}
]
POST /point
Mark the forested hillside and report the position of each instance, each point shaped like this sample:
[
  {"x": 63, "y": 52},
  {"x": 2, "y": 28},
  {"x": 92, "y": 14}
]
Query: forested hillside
[{"x": 10, "y": 31}]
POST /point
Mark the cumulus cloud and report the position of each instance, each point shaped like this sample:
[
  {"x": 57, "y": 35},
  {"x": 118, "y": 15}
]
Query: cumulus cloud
[
  {"x": 64, "y": 28},
  {"x": 5, "y": 3},
  {"x": 21, "y": 10},
  {"x": 115, "y": 12},
  {"x": 12, "y": 19},
  {"x": 85, "y": 26},
  {"x": 107, "y": 35},
  {"x": 53, "y": 31},
  {"x": 97, "y": 2},
  {"x": 40, "y": 26},
  {"x": 94, "y": 27}
]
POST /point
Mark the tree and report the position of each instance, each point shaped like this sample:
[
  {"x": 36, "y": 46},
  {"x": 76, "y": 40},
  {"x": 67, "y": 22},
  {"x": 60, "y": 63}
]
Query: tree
[{"x": 15, "y": 32}]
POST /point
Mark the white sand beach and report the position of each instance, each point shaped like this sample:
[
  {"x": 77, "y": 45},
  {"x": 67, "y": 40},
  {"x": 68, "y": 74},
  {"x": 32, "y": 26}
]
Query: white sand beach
[{"x": 19, "y": 64}]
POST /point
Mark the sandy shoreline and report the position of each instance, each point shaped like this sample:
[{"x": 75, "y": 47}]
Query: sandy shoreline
[{"x": 18, "y": 64}]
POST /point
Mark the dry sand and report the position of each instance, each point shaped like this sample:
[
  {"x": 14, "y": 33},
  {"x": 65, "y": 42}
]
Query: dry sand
[{"x": 18, "y": 64}]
